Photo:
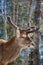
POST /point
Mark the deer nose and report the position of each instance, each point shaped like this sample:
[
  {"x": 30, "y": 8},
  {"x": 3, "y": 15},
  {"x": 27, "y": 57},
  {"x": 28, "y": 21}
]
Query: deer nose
[
  {"x": 28, "y": 45},
  {"x": 33, "y": 43},
  {"x": 27, "y": 42}
]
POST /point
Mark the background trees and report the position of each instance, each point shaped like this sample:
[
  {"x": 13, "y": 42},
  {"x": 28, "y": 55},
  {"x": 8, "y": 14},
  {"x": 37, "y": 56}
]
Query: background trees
[{"x": 21, "y": 12}]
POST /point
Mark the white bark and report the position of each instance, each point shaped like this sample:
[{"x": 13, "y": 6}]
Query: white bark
[{"x": 4, "y": 19}]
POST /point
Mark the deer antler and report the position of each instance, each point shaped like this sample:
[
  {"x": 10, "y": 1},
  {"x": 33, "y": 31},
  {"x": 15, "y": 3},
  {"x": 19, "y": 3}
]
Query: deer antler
[
  {"x": 32, "y": 29},
  {"x": 10, "y": 20}
]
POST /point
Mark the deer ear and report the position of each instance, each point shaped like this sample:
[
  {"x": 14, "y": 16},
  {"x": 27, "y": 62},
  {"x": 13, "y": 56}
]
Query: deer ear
[{"x": 18, "y": 33}]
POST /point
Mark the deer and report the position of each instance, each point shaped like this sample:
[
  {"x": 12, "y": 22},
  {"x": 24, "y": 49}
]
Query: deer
[{"x": 10, "y": 49}]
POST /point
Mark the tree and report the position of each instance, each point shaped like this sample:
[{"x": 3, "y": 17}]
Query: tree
[
  {"x": 4, "y": 18},
  {"x": 37, "y": 15}
]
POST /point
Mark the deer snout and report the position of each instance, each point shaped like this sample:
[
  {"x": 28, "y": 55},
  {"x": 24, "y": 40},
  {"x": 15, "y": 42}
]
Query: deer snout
[
  {"x": 32, "y": 45},
  {"x": 28, "y": 43}
]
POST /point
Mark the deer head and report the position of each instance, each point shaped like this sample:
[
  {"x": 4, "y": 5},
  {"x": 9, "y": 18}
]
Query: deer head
[{"x": 21, "y": 33}]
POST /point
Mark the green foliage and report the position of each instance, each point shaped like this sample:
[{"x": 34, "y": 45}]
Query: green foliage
[
  {"x": 19, "y": 60},
  {"x": 12, "y": 63},
  {"x": 31, "y": 56},
  {"x": 23, "y": 16}
]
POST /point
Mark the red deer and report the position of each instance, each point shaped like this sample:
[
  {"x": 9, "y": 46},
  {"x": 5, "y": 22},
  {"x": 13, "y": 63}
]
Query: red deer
[{"x": 9, "y": 50}]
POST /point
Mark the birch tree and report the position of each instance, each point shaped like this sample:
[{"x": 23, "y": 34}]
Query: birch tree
[{"x": 4, "y": 18}]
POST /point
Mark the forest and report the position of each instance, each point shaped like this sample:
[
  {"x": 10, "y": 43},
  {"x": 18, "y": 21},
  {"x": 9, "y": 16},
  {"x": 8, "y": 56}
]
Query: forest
[{"x": 22, "y": 14}]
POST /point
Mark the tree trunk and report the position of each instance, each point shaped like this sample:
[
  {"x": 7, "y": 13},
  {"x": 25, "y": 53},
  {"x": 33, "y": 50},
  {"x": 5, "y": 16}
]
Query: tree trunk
[
  {"x": 5, "y": 23},
  {"x": 26, "y": 58},
  {"x": 4, "y": 18},
  {"x": 37, "y": 15}
]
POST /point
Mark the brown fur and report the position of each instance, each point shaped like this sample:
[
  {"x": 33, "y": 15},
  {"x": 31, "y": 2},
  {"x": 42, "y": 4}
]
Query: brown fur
[
  {"x": 9, "y": 50},
  {"x": 3, "y": 41}
]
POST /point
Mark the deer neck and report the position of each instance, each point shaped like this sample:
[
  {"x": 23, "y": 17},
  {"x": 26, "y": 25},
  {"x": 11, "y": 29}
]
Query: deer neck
[
  {"x": 14, "y": 53},
  {"x": 13, "y": 43},
  {"x": 11, "y": 50}
]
